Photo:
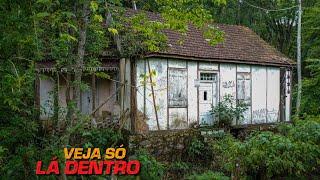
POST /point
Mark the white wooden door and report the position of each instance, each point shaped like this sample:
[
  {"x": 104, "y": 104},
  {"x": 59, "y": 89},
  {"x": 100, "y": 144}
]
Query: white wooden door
[{"x": 208, "y": 97}]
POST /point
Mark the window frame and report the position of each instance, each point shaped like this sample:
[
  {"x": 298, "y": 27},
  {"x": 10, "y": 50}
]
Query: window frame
[
  {"x": 247, "y": 77},
  {"x": 185, "y": 100}
]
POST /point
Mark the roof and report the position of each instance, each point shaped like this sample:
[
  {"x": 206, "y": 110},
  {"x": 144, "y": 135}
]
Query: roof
[{"x": 240, "y": 45}]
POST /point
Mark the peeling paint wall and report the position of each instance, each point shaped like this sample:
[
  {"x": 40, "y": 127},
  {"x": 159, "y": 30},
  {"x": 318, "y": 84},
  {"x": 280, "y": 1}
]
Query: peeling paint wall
[
  {"x": 192, "y": 92},
  {"x": 262, "y": 85},
  {"x": 104, "y": 89},
  {"x": 144, "y": 94},
  {"x": 141, "y": 70},
  {"x": 259, "y": 92},
  {"x": 227, "y": 80},
  {"x": 273, "y": 94},
  {"x": 178, "y": 118}
]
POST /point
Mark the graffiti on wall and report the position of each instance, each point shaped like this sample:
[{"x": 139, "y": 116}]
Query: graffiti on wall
[
  {"x": 272, "y": 115},
  {"x": 259, "y": 115},
  {"x": 228, "y": 84}
]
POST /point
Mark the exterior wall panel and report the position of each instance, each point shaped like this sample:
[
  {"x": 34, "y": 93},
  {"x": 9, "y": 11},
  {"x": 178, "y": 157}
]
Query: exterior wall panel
[
  {"x": 208, "y": 66},
  {"x": 178, "y": 118},
  {"x": 192, "y": 93},
  {"x": 228, "y": 82},
  {"x": 160, "y": 91},
  {"x": 273, "y": 94},
  {"x": 174, "y": 63},
  {"x": 140, "y": 87},
  {"x": 259, "y": 93}
]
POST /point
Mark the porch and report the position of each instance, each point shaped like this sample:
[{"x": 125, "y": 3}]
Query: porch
[{"x": 99, "y": 97}]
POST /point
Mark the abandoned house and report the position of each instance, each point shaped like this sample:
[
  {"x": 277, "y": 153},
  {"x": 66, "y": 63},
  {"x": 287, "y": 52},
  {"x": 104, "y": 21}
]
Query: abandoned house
[{"x": 190, "y": 78}]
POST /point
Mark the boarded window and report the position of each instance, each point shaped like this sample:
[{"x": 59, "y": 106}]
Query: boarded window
[
  {"x": 177, "y": 87},
  {"x": 244, "y": 88}
]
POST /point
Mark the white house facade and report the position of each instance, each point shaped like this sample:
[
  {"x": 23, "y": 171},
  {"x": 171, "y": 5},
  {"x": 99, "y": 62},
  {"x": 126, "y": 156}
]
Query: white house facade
[{"x": 186, "y": 90}]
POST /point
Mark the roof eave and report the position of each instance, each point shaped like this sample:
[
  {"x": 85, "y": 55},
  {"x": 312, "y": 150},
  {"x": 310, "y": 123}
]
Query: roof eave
[{"x": 224, "y": 60}]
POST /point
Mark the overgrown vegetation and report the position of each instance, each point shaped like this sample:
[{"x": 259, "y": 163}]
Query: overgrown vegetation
[
  {"x": 32, "y": 31},
  {"x": 227, "y": 111}
]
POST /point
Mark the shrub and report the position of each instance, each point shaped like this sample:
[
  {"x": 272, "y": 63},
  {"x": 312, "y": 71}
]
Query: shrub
[
  {"x": 225, "y": 152},
  {"x": 268, "y": 154},
  {"x": 307, "y": 130},
  {"x": 292, "y": 152},
  {"x": 150, "y": 167},
  {"x": 226, "y": 111},
  {"x": 103, "y": 138},
  {"x": 209, "y": 175},
  {"x": 178, "y": 169},
  {"x": 197, "y": 151}
]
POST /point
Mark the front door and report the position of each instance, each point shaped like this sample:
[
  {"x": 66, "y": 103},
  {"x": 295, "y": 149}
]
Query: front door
[{"x": 208, "y": 97}]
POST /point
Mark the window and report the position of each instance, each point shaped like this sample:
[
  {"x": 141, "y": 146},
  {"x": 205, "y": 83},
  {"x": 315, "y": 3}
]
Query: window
[
  {"x": 244, "y": 88},
  {"x": 205, "y": 96},
  {"x": 177, "y": 90},
  {"x": 207, "y": 77}
]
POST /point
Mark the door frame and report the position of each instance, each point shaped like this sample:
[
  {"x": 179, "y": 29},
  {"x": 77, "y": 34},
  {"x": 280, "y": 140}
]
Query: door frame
[{"x": 217, "y": 73}]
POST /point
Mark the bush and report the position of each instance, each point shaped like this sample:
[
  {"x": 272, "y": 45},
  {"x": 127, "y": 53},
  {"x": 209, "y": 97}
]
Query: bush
[
  {"x": 197, "y": 151},
  {"x": 226, "y": 111},
  {"x": 209, "y": 176},
  {"x": 150, "y": 167},
  {"x": 292, "y": 152},
  {"x": 307, "y": 130},
  {"x": 179, "y": 169},
  {"x": 103, "y": 138}
]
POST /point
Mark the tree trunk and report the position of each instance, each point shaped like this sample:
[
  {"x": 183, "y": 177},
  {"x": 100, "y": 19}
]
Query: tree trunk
[
  {"x": 299, "y": 60},
  {"x": 81, "y": 52}
]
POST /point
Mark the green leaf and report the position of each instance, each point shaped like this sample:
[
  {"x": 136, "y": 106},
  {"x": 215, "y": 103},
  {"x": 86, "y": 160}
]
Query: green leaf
[
  {"x": 94, "y": 6},
  {"x": 42, "y": 15},
  {"x": 113, "y": 31}
]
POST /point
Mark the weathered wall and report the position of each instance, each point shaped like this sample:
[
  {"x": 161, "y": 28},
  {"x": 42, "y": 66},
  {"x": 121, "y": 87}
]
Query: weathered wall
[
  {"x": 263, "y": 86},
  {"x": 192, "y": 92},
  {"x": 273, "y": 94},
  {"x": 144, "y": 94},
  {"x": 259, "y": 94},
  {"x": 227, "y": 80},
  {"x": 228, "y": 74},
  {"x": 104, "y": 89}
]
